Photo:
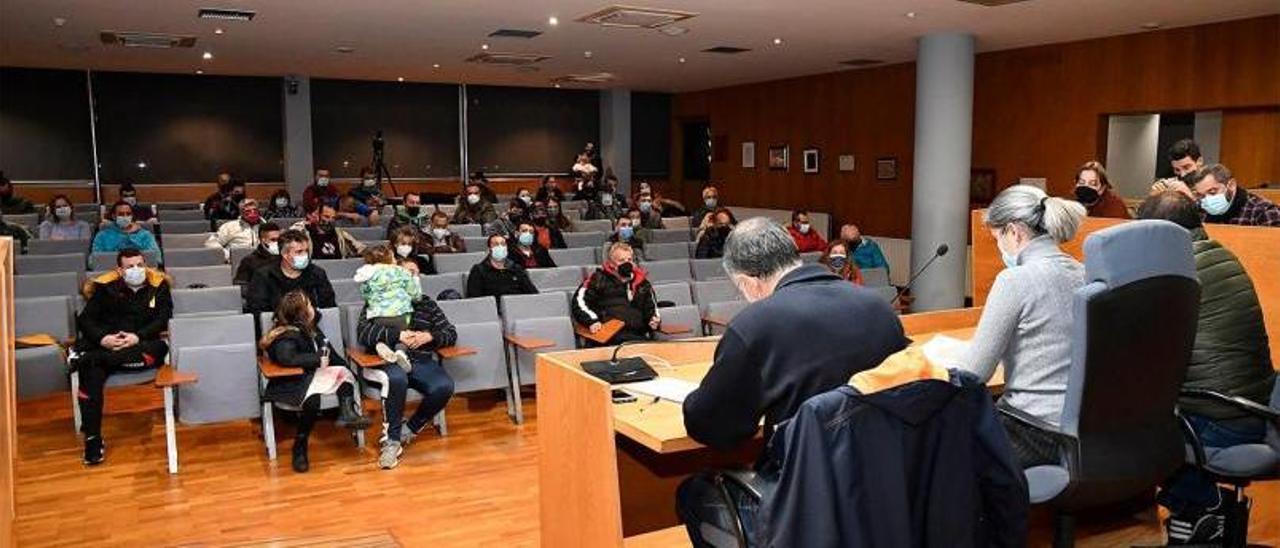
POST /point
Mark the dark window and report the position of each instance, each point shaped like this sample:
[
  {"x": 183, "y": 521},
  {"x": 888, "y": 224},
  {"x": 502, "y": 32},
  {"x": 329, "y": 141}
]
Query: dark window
[
  {"x": 529, "y": 130},
  {"x": 419, "y": 124},
  {"x": 650, "y": 135},
  {"x": 44, "y": 125}
]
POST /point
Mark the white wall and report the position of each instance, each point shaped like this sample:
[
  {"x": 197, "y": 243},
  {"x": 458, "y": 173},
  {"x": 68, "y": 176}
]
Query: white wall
[
  {"x": 1208, "y": 134},
  {"x": 1131, "y": 153}
]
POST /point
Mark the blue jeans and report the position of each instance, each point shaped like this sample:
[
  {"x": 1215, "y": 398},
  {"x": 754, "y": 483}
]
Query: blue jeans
[
  {"x": 1190, "y": 488},
  {"x": 429, "y": 378}
]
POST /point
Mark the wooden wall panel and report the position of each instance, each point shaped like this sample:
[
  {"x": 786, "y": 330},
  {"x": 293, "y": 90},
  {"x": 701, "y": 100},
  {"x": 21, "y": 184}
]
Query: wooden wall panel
[
  {"x": 1037, "y": 112},
  {"x": 1251, "y": 145},
  {"x": 8, "y": 397}
]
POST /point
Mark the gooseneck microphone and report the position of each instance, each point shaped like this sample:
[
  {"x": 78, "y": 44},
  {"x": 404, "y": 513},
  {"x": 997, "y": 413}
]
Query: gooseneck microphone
[{"x": 942, "y": 250}]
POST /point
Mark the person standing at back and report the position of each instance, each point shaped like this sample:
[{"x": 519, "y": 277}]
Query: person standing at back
[{"x": 1027, "y": 322}]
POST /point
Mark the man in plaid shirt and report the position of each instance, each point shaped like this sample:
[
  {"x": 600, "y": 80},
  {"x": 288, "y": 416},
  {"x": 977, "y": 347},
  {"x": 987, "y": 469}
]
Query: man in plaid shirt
[{"x": 1224, "y": 202}]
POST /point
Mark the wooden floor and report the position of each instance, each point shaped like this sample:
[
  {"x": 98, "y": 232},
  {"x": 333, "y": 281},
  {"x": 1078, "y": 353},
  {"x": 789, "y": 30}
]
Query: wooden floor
[{"x": 478, "y": 487}]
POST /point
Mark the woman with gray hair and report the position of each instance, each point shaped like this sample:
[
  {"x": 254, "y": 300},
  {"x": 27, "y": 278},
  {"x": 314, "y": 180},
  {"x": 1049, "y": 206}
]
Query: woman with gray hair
[{"x": 1026, "y": 323}]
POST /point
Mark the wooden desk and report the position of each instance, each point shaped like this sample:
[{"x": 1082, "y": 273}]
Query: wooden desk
[{"x": 609, "y": 471}]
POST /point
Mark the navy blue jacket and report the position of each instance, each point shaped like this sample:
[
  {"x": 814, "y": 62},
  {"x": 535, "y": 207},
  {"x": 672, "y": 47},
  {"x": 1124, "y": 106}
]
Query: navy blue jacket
[
  {"x": 810, "y": 336},
  {"x": 921, "y": 464}
]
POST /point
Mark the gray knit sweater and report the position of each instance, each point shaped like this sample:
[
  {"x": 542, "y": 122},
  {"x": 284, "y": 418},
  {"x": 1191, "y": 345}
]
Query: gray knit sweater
[{"x": 1026, "y": 325}]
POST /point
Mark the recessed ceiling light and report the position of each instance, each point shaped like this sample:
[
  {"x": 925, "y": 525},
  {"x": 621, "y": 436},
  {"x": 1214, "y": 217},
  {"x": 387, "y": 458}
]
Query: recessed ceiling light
[
  {"x": 484, "y": 46},
  {"x": 553, "y": 21},
  {"x": 207, "y": 56},
  {"x": 344, "y": 49},
  {"x": 1153, "y": 25},
  {"x": 59, "y": 21},
  {"x": 586, "y": 54},
  {"x": 911, "y": 15},
  {"x": 142, "y": 165},
  {"x": 777, "y": 41},
  {"x": 400, "y": 79},
  {"x": 217, "y": 31},
  {"x": 436, "y": 65},
  {"x": 557, "y": 86},
  {"x": 198, "y": 71},
  {"x": 682, "y": 59}
]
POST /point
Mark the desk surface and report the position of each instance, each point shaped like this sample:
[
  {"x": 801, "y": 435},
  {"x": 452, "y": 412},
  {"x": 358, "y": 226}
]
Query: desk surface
[{"x": 659, "y": 425}]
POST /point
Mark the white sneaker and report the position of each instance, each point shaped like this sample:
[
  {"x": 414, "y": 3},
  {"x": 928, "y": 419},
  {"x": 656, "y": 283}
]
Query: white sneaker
[
  {"x": 397, "y": 357},
  {"x": 390, "y": 457}
]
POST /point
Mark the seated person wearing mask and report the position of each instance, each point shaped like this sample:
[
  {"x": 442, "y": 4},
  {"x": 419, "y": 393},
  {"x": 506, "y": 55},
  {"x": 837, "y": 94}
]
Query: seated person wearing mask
[
  {"x": 624, "y": 231},
  {"x": 807, "y": 239},
  {"x": 1184, "y": 159},
  {"x": 473, "y": 208},
  {"x": 141, "y": 213},
  {"x": 618, "y": 290},
  {"x": 711, "y": 241},
  {"x": 1026, "y": 324},
  {"x": 227, "y": 207},
  {"x": 1224, "y": 202},
  {"x": 222, "y": 190},
  {"x": 506, "y": 223},
  {"x": 281, "y": 206},
  {"x": 10, "y": 202},
  {"x": 123, "y": 233},
  {"x": 125, "y": 312},
  {"x": 60, "y": 222},
  {"x": 605, "y": 204},
  {"x": 527, "y": 252},
  {"x": 1231, "y": 355},
  {"x": 368, "y": 192},
  {"x": 327, "y": 240},
  {"x": 837, "y": 260},
  {"x": 267, "y": 252},
  {"x": 552, "y": 224},
  {"x": 710, "y": 201},
  {"x": 650, "y": 218},
  {"x": 1094, "y": 191},
  {"x": 353, "y": 213},
  {"x": 866, "y": 252},
  {"x": 442, "y": 240},
  {"x": 410, "y": 213},
  {"x": 497, "y": 275},
  {"x": 408, "y": 244},
  {"x": 642, "y": 232},
  {"x": 320, "y": 191},
  {"x": 293, "y": 271},
  {"x": 549, "y": 190},
  {"x": 242, "y": 232}
]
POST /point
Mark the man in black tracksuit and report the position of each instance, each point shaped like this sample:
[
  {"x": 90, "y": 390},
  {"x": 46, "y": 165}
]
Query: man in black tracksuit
[
  {"x": 124, "y": 314},
  {"x": 618, "y": 290}
]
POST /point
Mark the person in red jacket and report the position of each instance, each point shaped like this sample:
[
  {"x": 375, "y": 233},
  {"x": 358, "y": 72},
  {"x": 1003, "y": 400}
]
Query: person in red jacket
[{"x": 807, "y": 240}]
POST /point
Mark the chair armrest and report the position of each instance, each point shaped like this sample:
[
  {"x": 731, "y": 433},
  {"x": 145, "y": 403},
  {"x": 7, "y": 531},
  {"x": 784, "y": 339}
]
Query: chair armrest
[
  {"x": 447, "y": 352},
  {"x": 363, "y": 359},
  {"x": 168, "y": 377},
  {"x": 607, "y": 331},
  {"x": 272, "y": 370},
  {"x": 1033, "y": 422},
  {"x": 1192, "y": 438},
  {"x": 674, "y": 329},
  {"x": 528, "y": 343},
  {"x": 1238, "y": 402}
]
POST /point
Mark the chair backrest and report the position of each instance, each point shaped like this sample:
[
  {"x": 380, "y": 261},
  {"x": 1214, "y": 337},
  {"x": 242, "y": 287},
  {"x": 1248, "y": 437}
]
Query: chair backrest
[
  {"x": 338, "y": 269},
  {"x": 468, "y": 311},
  {"x": 48, "y": 264},
  {"x": 668, "y": 271},
  {"x": 708, "y": 269},
  {"x": 184, "y": 241},
  {"x": 458, "y": 262},
  {"x": 222, "y": 350},
  {"x": 676, "y": 222},
  {"x": 57, "y": 247},
  {"x": 573, "y": 205},
  {"x": 675, "y": 292},
  {"x": 211, "y": 299},
  {"x": 434, "y": 284},
  {"x": 51, "y": 315},
  {"x": 600, "y": 225},
  {"x": 330, "y": 324},
  {"x": 285, "y": 222},
  {"x": 667, "y": 252},
  {"x": 346, "y": 291},
  {"x": 1126, "y": 369},
  {"x": 172, "y": 215},
  {"x": 163, "y": 206},
  {"x": 684, "y": 315},
  {"x": 203, "y": 256},
  {"x": 27, "y": 220},
  {"x": 184, "y": 227},
  {"x": 563, "y": 278},
  {"x": 468, "y": 230},
  {"x": 476, "y": 243},
  {"x": 576, "y": 256},
  {"x": 875, "y": 277},
  {"x": 540, "y": 305},
  {"x": 715, "y": 291},
  {"x": 47, "y": 285},
  {"x": 238, "y": 253},
  {"x": 106, "y": 260},
  {"x": 671, "y": 235},
  {"x": 208, "y": 276},
  {"x": 584, "y": 239},
  {"x": 368, "y": 233}
]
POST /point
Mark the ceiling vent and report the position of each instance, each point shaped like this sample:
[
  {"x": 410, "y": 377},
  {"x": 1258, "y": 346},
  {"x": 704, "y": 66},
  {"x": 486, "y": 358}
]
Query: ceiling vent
[
  {"x": 592, "y": 78},
  {"x": 861, "y": 62},
  {"x": 515, "y": 33},
  {"x": 728, "y": 50},
  {"x": 131, "y": 39},
  {"x": 632, "y": 17},
  {"x": 227, "y": 14},
  {"x": 992, "y": 3},
  {"x": 507, "y": 59}
]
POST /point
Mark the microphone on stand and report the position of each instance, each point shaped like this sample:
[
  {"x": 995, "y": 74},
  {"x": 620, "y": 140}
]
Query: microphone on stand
[{"x": 942, "y": 250}]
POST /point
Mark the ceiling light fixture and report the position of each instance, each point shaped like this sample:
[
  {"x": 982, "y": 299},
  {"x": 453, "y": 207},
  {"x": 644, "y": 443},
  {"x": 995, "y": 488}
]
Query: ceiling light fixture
[
  {"x": 586, "y": 54},
  {"x": 1153, "y": 25},
  {"x": 344, "y": 49},
  {"x": 217, "y": 31},
  {"x": 198, "y": 71},
  {"x": 777, "y": 41},
  {"x": 59, "y": 21},
  {"x": 226, "y": 14},
  {"x": 435, "y": 65},
  {"x": 484, "y": 46},
  {"x": 911, "y": 15},
  {"x": 557, "y": 86},
  {"x": 400, "y": 79},
  {"x": 682, "y": 59},
  {"x": 207, "y": 56},
  {"x": 553, "y": 21}
]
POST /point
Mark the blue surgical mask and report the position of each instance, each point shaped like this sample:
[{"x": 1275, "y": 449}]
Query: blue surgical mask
[
  {"x": 626, "y": 232},
  {"x": 123, "y": 220},
  {"x": 1215, "y": 204},
  {"x": 646, "y": 206},
  {"x": 526, "y": 238},
  {"x": 300, "y": 262},
  {"x": 498, "y": 252},
  {"x": 1010, "y": 261}
]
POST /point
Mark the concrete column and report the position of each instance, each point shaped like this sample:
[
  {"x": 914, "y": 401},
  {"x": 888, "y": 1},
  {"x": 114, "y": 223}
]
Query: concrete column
[
  {"x": 940, "y": 192},
  {"x": 299, "y": 166},
  {"x": 615, "y": 135}
]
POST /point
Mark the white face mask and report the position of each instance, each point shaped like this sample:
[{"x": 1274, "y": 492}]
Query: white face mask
[
  {"x": 804, "y": 228},
  {"x": 131, "y": 200},
  {"x": 404, "y": 250},
  {"x": 282, "y": 202},
  {"x": 440, "y": 233},
  {"x": 606, "y": 199},
  {"x": 322, "y": 181},
  {"x": 135, "y": 276},
  {"x": 62, "y": 212},
  {"x": 473, "y": 199},
  {"x": 526, "y": 199},
  {"x": 369, "y": 182},
  {"x": 273, "y": 248}
]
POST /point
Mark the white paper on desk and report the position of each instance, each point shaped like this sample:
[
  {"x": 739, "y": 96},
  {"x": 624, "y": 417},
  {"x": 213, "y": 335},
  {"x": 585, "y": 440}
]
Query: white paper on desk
[
  {"x": 945, "y": 351},
  {"x": 665, "y": 388}
]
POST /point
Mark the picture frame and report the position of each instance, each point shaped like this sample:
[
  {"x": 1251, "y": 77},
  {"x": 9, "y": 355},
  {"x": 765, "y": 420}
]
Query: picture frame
[
  {"x": 886, "y": 169},
  {"x": 812, "y": 160},
  {"x": 749, "y": 154},
  {"x": 779, "y": 157},
  {"x": 982, "y": 185},
  {"x": 846, "y": 162}
]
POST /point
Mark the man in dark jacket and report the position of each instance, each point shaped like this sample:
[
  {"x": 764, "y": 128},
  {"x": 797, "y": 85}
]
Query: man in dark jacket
[
  {"x": 411, "y": 213},
  {"x": 1231, "y": 356},
  {"x": 497, "y": 275},
  {"x": 293, "y": 271},
  {"x": 618, "y": 290},
  {"x": 267, "y": 252},
  {"x": 124, "y": 314}
]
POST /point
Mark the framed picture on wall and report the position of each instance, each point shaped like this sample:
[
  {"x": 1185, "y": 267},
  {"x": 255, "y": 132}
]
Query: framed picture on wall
[
  {"x": 886, "y": 169},
  {"x": 749, "y": 154},
  {"x": 812, "y": 160},
  {"x": 846, "y": 162},
  {"x": 982, "y": 186},
  {"x": 779, "y": 157}
]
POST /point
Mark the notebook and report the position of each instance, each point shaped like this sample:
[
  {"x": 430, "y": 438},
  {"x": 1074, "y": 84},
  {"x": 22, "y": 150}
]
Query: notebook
[{"x": 665, "y": 388}]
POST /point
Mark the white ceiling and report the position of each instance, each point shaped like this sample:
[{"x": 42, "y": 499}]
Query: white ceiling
[{"x": 404, "y": 38}]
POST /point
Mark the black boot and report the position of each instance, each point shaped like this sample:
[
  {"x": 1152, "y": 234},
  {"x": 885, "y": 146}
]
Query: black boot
[
  {"x": 349, "y": 415},
  {"x": 300, "y": 461}
]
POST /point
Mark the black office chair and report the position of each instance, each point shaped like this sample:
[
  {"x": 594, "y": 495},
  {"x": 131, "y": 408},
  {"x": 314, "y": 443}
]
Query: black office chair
[
  {"x": 1238, "y": 465},
  {"x": 1135, "y": 323}
]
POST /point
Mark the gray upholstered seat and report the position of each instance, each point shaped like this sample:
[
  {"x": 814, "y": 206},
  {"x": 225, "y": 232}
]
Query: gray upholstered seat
[
  {"x": 203, "y": 256},
  {"x": 184, "y": 241},
  {"x": 668, "y": 271},
  {"x": 584, "y": 239},
  {"x": 368, "y": 233},
  {"x": 106, "y": 260},
  {"x": 667, "y": 252},
  {"x": 223, "y": 351},
  {"x": 563, "y": 278},
  {"x": 48, "y": 264},
  {"x": 604, "y": 226},
  {"x": 468, "y": 230},
  {"x": 476, "y": 243},
  {"x": 346, "y": 291},
  {"x": 714, "y": 291},
  {"x": 678, "y": 293},
  {"x": 211, "y": 299},
  {"x": 184, "y": 227},
  {"x": 676, "y": 222},
  {"x": 576, "y": 256},
  {"x": 457, "y": 262},
  {"x": 340, "y": 269},
  {"x": 171, "y": 215},
  {"x": 207, "y": 276},
  {"x": 57, "y": 247},
  {"x": 708, "y": 269},
  {"x": 46, "y": 285},
  {"x": 540, "y": 316},
  {"x": 434, "y": 284},
  {"x": 670, "y": 235},
  {"x": 42, "y": 370},
  {"x": 238, "y": 253}
]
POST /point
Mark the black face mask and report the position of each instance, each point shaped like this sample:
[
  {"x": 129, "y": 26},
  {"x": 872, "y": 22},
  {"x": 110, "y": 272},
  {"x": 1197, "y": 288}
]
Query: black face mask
[
  {"x": 413, "y": 211},
  {"x": 1087, "y": 195},
  {"x": 626, "y": 269}
]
